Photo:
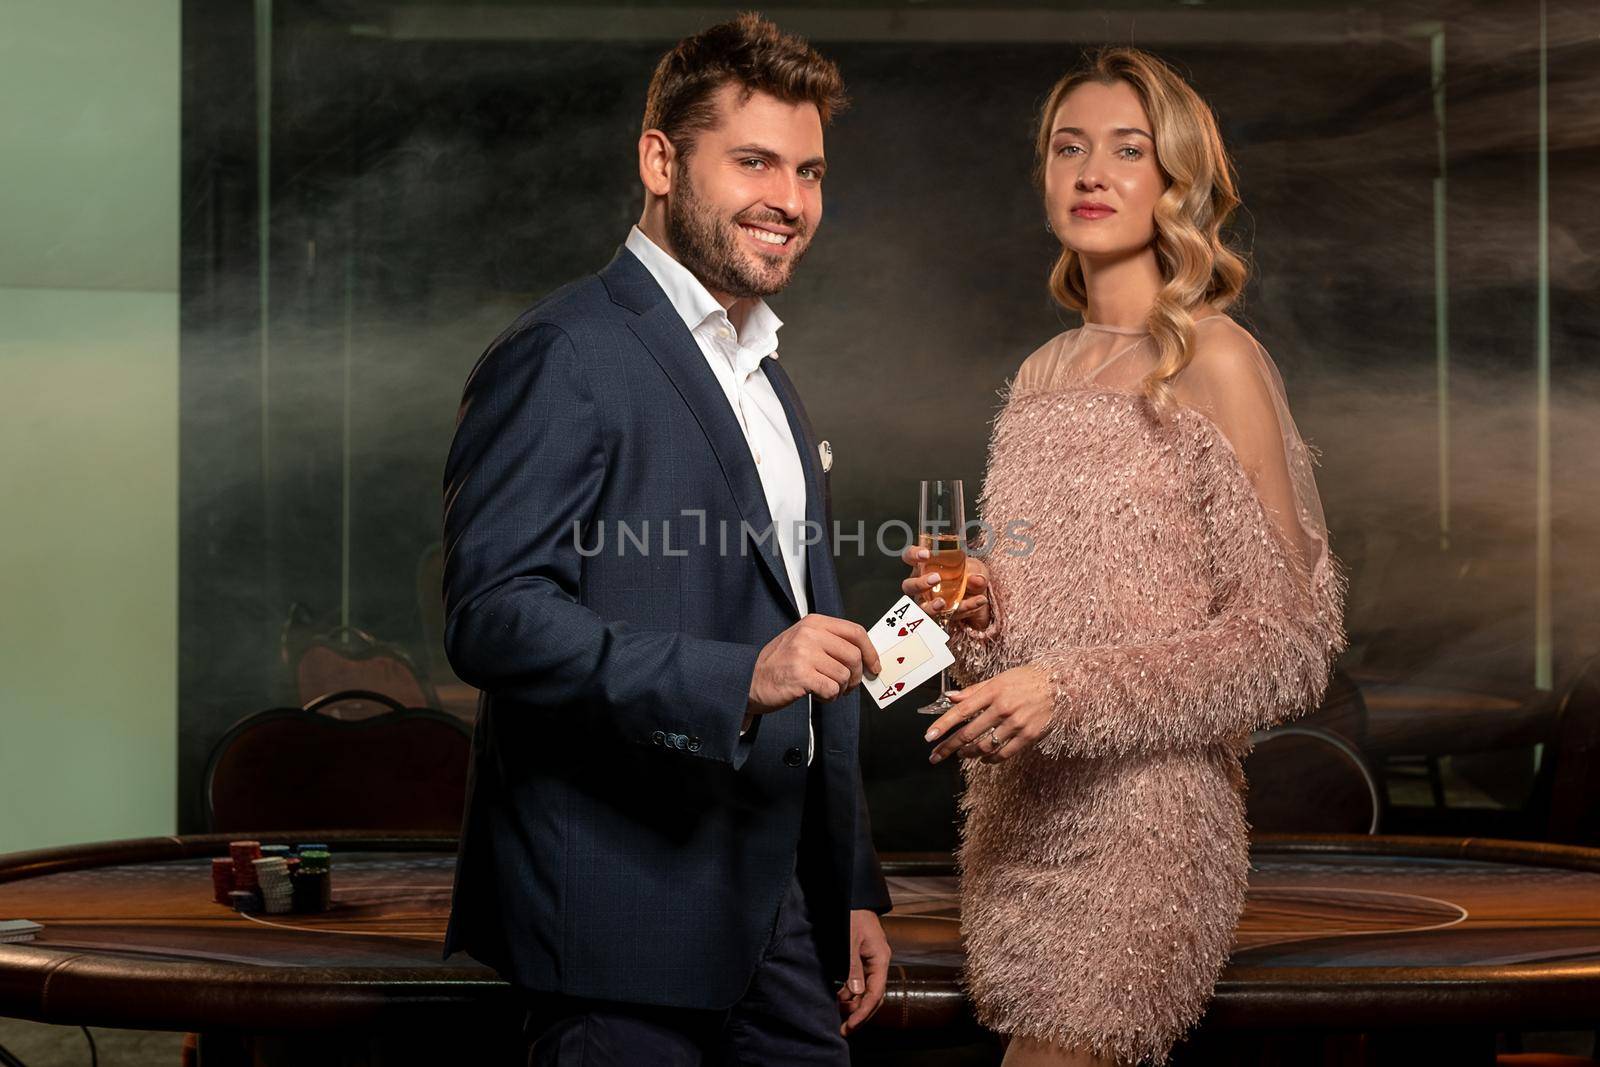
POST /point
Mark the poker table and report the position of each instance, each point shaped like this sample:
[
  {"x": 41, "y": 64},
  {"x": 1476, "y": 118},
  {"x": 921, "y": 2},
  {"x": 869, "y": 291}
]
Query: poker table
[{"x": 1338, "y": 931}]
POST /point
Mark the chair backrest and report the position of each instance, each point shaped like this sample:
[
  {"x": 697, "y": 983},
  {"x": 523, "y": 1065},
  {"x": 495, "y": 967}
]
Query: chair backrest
[
  {"x": 352, "y": 659},
  {"x": 294, "y": 769},
  {"x": 1567, "y": 788},
  {"x": 1305, "y": 780}
]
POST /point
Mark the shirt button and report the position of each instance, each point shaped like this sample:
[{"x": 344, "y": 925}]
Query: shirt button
[{"x": 794, "y": 757}]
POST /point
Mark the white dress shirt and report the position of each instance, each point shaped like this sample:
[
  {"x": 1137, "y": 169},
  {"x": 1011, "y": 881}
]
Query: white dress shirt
[{"x": 735, "y": 359}]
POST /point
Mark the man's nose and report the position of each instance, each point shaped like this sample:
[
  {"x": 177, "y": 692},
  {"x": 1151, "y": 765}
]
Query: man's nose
[{"x": 785, "y": 196}]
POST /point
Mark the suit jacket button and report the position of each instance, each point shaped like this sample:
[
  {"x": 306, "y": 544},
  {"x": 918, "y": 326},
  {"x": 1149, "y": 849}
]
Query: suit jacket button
[
  {"x": 794, "y": 757},
  {"x": 694, "y": 744},
  {"x": 680, "y": 740},
  {"x": 659, "y": 738}
]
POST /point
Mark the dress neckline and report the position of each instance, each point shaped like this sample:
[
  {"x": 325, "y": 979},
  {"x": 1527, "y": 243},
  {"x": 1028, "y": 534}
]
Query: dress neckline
[
  {"x": 1132, "y": 330},
  {"x": 1113, "y": 329}
]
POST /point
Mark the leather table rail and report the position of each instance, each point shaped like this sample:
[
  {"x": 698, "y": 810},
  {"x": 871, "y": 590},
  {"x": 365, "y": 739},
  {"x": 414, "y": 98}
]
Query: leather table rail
[{"x": 1337, "y": 931}]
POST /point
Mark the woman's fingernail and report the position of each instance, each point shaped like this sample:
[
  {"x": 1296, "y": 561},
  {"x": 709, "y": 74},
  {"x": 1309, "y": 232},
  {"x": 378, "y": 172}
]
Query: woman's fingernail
[
  {"x": 922, "y": 553},
  {"x": 857, "y": 986},
  {"x": 930, "y": 735},
  {"x": 935, "y": 758}
]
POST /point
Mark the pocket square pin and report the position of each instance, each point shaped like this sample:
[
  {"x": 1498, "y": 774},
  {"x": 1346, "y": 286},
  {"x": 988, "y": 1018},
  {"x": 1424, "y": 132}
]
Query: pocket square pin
[{"x": 825, "y": 450}]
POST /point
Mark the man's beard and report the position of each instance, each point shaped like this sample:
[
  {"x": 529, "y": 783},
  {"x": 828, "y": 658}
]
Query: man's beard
[{"x": 709, "y": 246}]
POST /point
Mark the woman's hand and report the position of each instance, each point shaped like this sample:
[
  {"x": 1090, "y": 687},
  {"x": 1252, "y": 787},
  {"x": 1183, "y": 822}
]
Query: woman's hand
[
  {"x": 996, "y": 718},
  {"x": 973, "y": 611}
]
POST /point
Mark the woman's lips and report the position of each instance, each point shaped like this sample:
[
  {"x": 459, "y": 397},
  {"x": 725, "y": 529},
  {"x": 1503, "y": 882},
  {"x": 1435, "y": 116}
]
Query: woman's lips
[{"x": 1092, "y": 212}]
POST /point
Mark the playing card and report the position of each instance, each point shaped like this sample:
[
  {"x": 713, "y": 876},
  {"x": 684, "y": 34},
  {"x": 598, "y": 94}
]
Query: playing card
[
  {"x": 907, "y": 664},
  {"x": 903, "y": 620}
]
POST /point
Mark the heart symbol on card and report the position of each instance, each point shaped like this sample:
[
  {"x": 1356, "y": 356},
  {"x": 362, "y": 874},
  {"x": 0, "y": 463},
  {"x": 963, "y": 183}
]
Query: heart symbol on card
[
  {"x": 899, "y": 659},
  {"x": 899, "y": 686},
  {"x": 903, "y": 631}
]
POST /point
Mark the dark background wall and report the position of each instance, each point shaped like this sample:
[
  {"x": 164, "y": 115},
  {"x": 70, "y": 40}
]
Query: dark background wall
[{"x": 423, "y": 173}]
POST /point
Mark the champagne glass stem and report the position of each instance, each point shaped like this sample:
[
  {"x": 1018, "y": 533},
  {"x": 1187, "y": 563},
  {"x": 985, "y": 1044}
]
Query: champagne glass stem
[{"x": 941, "y": 703}]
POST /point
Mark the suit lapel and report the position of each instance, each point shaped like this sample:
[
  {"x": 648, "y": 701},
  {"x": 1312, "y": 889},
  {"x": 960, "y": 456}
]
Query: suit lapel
[
  {"x": 819, "y": 557},
  {"x": 670, "y": 344}
]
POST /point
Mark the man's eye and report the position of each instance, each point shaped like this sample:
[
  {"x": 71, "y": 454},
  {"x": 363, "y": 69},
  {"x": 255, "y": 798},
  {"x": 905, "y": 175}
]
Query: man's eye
[
  {"x": 810, "y": 175},
  {"x": 753, "y": 162}
]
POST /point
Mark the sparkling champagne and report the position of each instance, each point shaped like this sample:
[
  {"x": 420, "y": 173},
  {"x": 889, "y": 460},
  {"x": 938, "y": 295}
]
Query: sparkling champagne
[{"x": 947, "y": 555}]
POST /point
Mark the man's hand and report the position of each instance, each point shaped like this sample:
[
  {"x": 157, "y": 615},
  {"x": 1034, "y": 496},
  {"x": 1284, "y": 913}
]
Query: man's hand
[
  {"x": 819, "y": 655},
  {"x": 862, "y": 995}
]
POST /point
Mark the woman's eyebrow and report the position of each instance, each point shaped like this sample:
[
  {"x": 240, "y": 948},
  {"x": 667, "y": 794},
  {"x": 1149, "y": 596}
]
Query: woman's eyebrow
[{"x": 1120, "y": 131}]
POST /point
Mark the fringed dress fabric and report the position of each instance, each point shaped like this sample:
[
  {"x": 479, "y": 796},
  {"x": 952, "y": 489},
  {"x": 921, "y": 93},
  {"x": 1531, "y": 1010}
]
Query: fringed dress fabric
[{"x": 1171, "y": 577}]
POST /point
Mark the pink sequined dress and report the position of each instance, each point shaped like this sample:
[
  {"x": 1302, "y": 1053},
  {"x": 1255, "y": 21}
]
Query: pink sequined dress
[{"x": 1174, "y": 583}]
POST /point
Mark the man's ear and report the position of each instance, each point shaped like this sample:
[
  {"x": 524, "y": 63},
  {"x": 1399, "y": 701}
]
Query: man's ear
[{"x": 656, "y": 156}]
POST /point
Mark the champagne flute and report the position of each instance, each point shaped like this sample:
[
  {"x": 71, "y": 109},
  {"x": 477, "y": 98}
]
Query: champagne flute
[{"x": 941, "y": 529}]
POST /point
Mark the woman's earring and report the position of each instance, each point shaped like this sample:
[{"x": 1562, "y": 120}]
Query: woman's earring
[{"x": 1048, "y": 228}]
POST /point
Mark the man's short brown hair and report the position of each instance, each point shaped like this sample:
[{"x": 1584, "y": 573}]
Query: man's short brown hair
[{"x": 749, "y": 51}]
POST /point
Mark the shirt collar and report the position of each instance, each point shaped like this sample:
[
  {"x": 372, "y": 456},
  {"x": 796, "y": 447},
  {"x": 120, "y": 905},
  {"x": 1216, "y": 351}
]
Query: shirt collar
[{"x": 695, "y": 305}]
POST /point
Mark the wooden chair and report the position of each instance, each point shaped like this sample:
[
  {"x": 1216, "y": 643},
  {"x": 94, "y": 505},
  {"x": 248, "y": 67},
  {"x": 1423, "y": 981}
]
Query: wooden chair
[
  {"x": 348, "y": 658},
  {"x": 296, "y": 769},
  {"x": 1565, "y": 804},
  {"x": 1306, "y": 780}
]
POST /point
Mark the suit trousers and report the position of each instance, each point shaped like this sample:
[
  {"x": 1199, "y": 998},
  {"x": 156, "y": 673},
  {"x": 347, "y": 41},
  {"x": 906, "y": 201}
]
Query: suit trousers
[{"x": 788, "y": 1015}]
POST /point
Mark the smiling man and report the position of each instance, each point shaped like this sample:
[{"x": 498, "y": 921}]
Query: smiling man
[{"x": 666, "y": 844}]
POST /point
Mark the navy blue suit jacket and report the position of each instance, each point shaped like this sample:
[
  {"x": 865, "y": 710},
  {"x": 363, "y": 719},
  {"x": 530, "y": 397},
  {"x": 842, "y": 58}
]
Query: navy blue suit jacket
[{"x": 621, "y": 840}]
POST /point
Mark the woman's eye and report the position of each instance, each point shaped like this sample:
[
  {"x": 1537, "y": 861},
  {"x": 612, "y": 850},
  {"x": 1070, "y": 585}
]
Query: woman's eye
[{"x": 1138, "y": 153}]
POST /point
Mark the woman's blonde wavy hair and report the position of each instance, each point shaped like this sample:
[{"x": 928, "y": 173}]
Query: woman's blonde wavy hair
[{"x": 1197, "y": 266}]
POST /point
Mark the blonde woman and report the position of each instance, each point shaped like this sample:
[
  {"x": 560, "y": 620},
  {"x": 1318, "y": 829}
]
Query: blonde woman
[{"x": 1173, "y": 593}]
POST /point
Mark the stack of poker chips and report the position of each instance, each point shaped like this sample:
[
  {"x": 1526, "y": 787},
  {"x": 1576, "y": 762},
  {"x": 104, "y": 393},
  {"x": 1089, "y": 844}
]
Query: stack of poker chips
[
  {"x": 244, "y": 855},
  {"x": 272, "y": 876},
  {"x": 222, "y": 879},
  {"x": 245, "y": 900},
  {"x": 312, "y": 882}
]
